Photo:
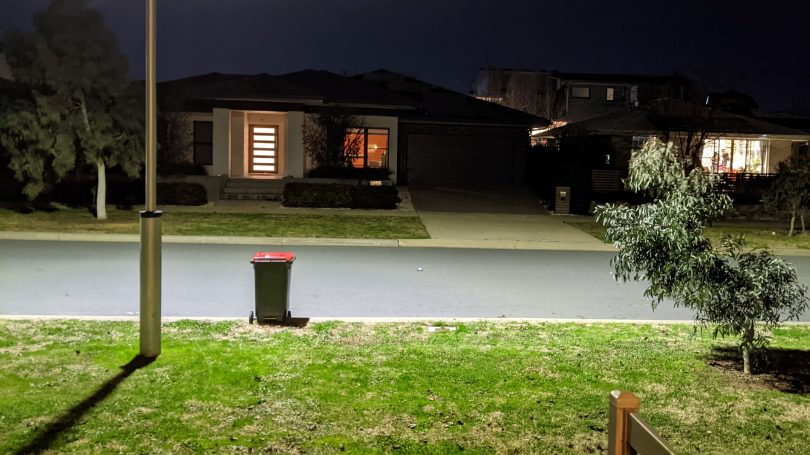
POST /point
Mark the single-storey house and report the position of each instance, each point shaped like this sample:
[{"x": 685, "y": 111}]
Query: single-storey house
[
  {"x": 732, "y": 144},
  {"x": 251, "y": 127}
]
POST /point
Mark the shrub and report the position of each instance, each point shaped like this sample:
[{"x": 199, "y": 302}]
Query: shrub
[
  {"x": 181, "y": 193},
  {"x": 339, "y": 195}
]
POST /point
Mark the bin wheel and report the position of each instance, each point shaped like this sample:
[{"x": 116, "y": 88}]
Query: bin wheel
[
  {"x": 250, "y": 318},
  {"x": 288, "y": 317}
]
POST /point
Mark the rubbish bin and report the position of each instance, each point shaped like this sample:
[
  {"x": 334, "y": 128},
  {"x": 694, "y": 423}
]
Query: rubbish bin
[
  {"x": 562, "y": 200},
  {"x": 272, "y": 282}
]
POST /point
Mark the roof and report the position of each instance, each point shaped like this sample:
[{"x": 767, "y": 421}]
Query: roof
[
  {"x": 797, "y": 122},
  {"x": 438, "y": 104},
  {"x": 675, "y": 115},
  {"x": 595, "y": 77},
  {"x": 370, "y": 93}
]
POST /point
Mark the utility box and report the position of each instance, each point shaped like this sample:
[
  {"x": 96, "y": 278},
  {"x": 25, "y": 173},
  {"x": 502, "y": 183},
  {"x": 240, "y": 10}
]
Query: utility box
[
  {"x": 562, "y": 200},
  {"x": 272, "y": 282}
]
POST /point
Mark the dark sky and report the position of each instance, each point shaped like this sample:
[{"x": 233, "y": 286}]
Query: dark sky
[{"x": 762, "y": 48}]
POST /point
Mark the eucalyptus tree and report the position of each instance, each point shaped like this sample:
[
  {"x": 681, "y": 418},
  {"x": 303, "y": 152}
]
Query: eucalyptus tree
[
  {"x": 77, "y": 75},
  {"x": 790, "y": 190},
  {"x": 663, "y": 242}
]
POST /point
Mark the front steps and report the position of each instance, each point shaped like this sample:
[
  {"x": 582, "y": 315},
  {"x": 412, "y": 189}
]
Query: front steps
[{"x": 253, "y": 189}]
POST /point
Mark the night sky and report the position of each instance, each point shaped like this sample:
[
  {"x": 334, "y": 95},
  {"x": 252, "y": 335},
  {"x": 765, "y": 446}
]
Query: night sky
[{"x": 762, "y": 49}]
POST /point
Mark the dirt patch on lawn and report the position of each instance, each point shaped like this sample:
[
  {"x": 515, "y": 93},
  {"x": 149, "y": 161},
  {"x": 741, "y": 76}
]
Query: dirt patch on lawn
[{"x": 786, "y": 370}]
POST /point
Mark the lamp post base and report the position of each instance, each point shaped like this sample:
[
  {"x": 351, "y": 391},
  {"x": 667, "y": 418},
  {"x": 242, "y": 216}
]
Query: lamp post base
[{"x": 150, "y": 283}]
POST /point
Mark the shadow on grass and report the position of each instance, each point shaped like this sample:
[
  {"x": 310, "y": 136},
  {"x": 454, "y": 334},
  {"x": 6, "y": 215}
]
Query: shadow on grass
[
  {"x": 787, "y": 370},
  {"x": 44, "y": 440}
]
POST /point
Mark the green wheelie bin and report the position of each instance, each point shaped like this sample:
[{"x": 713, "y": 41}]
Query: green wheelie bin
[{"x": 272, "y": 282}]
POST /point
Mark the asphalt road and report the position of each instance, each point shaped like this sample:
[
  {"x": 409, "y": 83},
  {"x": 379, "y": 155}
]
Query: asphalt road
[{"x": 101, "y": 279}]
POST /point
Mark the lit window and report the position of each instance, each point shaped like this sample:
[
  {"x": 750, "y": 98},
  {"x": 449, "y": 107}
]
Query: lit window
[
  {"x": 263, "y": 149},
  {"x": 610, "y": 93},
  {"x": 203, "y": 147},
  {"x": 581, "y": 92},
  {"x": 735, "y": 156},
  {"x": 368, "y": 147}
]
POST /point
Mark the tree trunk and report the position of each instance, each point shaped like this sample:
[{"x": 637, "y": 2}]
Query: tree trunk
[
  {"x": 801, "y": 217},
  {"x": 101, "y": 191},
  {"x": 101, "y": 188},
  {"x": 792, "y": 223},
  {"x": 747, "y": 345}
]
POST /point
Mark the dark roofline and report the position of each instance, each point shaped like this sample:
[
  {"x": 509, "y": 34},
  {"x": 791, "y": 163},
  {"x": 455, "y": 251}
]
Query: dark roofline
[{"x": 596, "y": 77}]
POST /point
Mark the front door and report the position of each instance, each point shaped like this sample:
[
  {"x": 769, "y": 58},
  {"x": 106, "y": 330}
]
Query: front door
[{"x": 263, "y": 149}]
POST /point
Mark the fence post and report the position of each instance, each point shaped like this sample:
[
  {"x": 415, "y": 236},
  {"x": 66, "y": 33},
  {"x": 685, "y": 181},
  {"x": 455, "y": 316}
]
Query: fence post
[{"x": 621, "y": 404}]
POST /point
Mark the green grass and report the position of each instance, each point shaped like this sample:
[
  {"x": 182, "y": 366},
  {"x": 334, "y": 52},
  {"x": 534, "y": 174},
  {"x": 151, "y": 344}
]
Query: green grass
[
  {"x": 757, "y": 235},
  {"x": 389, "y": 388},
  {"x": 234, "y": 224}
]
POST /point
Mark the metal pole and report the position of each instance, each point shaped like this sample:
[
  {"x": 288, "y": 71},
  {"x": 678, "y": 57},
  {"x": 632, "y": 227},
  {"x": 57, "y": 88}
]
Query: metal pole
[{"x": 150, "y": 218}]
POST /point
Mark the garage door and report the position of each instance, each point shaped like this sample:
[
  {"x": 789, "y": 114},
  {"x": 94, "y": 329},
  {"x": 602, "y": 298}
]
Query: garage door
[{"x": 459, "y": 161}]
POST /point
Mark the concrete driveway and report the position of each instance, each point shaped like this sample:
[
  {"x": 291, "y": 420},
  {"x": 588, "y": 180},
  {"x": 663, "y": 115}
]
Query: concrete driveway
[{"x": 496, "y": 218}]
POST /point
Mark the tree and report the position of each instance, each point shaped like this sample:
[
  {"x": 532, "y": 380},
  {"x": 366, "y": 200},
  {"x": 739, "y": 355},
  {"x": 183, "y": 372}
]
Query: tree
[
  {"x": 39, "y": 145},
  {"x": 77, "y": 73},
  {"x": 327, "y": 141},
  {"x": 687, "y": 124},
  {"x": 663, "y": 243},
  {"x": 790, "y": 190}
]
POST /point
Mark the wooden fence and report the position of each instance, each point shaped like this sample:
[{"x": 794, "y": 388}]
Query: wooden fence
[{"x": 629, "y": 434}]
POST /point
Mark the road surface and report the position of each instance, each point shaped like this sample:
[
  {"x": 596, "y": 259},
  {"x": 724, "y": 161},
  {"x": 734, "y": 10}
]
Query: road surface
[{"x": 101, "y": 279}]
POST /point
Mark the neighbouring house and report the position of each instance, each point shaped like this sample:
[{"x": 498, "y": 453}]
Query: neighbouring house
[
  {"x": 737, "y": 146},
  {"x": 572, "y": 97},
  {"x": 249, "y": 129}
]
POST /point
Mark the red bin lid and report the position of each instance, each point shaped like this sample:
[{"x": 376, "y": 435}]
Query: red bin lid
[{"x": 273, "y": 256}]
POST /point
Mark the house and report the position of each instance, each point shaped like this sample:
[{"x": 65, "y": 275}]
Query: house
[
  {"x": 251, "y": 127},
  {"x": 572, "y": 97},
  {"x": 725, "y": 143}
]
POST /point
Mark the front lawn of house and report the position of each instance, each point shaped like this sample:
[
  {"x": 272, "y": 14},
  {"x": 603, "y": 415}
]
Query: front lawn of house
[
  {"x": 757, "y": 234},
  {"x": 222, "y": 224},
  {"x": 229, "y": 387}
]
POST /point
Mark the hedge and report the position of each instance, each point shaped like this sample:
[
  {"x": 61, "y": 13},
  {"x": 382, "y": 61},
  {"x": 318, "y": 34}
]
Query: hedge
[
  {"x": 181, "y": 193},
  {"x": 340, "y": 195}
]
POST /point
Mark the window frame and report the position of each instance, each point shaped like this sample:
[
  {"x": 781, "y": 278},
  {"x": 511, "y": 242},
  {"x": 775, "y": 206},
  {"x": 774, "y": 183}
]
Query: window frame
[
  {"x": 365, "y": 130},
  {"x": 195, "y": 143},
  {"x": 583, "y": 87},
  {"x": 610, "y": 94}
]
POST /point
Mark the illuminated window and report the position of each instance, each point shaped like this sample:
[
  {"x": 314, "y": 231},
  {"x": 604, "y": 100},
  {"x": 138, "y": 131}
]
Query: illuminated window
[
  {"x": 368, "y": 147},
  {"x": 727, "y": 156},
  {"x": 580, "y": 92},
  {"x": 263, "y": 149},
  {"x": 610, "y": 93},
  {"x": 203, "y": 147}
]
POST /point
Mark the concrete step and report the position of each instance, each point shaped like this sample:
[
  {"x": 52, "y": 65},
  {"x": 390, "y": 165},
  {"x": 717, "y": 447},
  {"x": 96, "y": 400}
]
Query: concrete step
[{"x": 253, "y": 189}]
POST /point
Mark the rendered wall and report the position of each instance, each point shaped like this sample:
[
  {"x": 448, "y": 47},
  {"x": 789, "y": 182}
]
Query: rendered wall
[{"x": 222, "y": 133}]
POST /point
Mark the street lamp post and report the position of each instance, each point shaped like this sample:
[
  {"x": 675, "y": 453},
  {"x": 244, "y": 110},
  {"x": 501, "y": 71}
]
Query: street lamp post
[{"x": 150, "y": 217}]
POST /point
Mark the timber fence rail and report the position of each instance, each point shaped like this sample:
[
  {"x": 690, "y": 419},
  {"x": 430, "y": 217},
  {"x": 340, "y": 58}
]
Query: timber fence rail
[{"x": 629, "y": 434}]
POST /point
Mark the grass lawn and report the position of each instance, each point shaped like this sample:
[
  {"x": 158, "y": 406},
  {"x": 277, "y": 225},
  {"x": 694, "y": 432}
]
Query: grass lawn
[
  {"x": 239, "y": 224},
  {"x": 391, "y": 388},
  {"x": 757, "y": 235}
]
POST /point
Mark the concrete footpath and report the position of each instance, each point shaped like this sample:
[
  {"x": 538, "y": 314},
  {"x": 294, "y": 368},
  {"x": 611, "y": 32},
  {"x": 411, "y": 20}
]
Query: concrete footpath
[{"x": 506, "y": 219}]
